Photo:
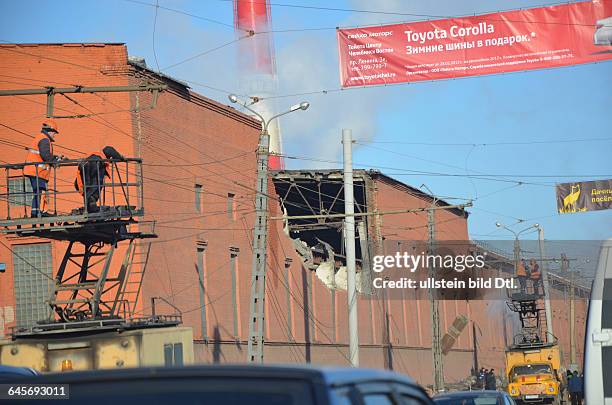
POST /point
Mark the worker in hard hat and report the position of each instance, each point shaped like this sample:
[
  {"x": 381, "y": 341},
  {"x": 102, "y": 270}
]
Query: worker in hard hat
[
  {"x": 89, "y": 179},
  {"x": 41, "y": 154},
  {"x": 535, "y": 275}
]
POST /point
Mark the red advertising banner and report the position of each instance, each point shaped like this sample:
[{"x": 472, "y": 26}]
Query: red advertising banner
[{"x": 510, "y": 41}]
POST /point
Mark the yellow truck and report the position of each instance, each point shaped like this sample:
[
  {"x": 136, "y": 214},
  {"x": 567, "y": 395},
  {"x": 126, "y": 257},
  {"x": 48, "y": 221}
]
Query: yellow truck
[
  {"x": 68, "y": 350},
  {"x": 533, "y": 373}
]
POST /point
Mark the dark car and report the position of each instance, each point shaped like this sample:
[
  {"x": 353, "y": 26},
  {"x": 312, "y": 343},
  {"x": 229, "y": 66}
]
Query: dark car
[
  {"x": 8, "y": 373},
  {"x": 474, "y": 398},
  {"x": 237, "y": 384}
]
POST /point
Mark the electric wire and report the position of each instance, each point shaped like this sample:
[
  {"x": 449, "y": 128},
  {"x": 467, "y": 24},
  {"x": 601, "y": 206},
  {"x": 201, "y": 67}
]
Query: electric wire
[
  {"x": 323, "y": 92},
  {"x": 154, "y": 29},
  {"x": 206, "y": 52},
  {"x": 486, "y": 176},
  {"x": 173, "y": 10},
  {"x": 467, "y": 144},
  {"x": 61, "y": 59},
  {"x": 478, "y": 16}
]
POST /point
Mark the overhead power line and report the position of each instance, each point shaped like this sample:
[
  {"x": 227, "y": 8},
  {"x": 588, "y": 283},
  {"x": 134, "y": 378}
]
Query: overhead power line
[
  {"x": 426, "y": 15},
  {"x": 174, "y": 10},
  {"x": 250, "y": 34},
  {"x": 485, "y": 176},
  {"x": 154, "y": 29},
  {"x": 323, "y": 92},
  {"x": 60, "y": 59},
  {"x": 483, "y": 144}
]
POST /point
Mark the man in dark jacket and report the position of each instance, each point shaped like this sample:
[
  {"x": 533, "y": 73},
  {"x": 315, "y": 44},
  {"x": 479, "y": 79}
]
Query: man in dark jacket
[
  {"x": 89, "y": 179},
  {"x": 482, "y": 374},
  {"x": 490, "y": 383},
  {"x": 535, "y": 275},
  {"x": 39, "y": 160},
  {"x": 575, "y": 389}
]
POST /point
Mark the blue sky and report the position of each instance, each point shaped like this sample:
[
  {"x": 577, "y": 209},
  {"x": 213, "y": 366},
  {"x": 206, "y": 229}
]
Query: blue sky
[{"x": 566, "y": 103}]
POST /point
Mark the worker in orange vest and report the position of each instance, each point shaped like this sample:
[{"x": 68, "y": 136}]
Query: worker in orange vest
[
  {"x": 535, "y": 275},
  {"x": 41, "y": 153},
  {"x": 89, "y": 178},
  {"x": 521, "y": 274}
]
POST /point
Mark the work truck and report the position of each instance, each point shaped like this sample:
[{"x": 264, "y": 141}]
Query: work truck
[
  {"x": 533, "y": 372},
  {"x": 533, "y": 359}
]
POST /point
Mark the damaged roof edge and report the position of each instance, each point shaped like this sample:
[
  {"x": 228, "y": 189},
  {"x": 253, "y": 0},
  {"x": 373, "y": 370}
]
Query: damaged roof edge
[
  {"x": 374, "y": 175},
  {"x": 140, "y": 65}
]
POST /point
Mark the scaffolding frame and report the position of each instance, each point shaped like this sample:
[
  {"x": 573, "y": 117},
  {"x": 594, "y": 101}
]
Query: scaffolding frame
[{"x": 85, "y": 288}]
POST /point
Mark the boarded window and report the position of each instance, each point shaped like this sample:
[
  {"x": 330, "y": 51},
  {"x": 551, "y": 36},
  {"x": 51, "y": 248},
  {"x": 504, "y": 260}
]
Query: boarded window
[
  {"x": 231, "y": 211},
  {"x": 20, "y": 191},
  {"x": 33, "y": 278},
  {"x": 234, "y": 280},
  {"x": 198, "y": 197},
  {"x": 201, "y": 265}
]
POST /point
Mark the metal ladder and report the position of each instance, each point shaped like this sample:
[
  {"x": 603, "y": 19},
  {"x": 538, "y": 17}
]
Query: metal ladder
[
  {"x": 92, "y": 292},
  {"x": 129, "y": 294}
]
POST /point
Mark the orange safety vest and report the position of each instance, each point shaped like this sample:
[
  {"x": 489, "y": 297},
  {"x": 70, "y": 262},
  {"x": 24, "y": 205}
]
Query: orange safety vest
[
  {"x": 42, "y": 169},
  {"x": 520, "y": 270},
  {"x": 535, "y": 272},
  {"x": 78, "y": 181}
]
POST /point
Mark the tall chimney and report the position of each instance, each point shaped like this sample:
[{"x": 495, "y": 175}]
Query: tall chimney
[{"x": 257, "y": 65}]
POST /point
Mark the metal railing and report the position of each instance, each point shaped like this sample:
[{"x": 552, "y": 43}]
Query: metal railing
[
  {"x": 534, "y": 338},
  {"x": 112, "y": 188}
]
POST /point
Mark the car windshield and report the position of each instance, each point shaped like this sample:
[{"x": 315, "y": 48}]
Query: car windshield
[
  {"x": 531, "y": 369},
  {"x": 468, "y": 399}
]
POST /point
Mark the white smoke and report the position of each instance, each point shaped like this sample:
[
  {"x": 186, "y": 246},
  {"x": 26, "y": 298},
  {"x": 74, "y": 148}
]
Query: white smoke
[
  {"x": 306, "y": 62},
  {"x": 311, "y": 63}
]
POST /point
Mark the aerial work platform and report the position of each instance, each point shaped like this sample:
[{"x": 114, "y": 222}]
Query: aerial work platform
[
  {"x": 119, "y": 195},
  {"x": 527, "y": 305},
  {"x": 89, "y": 284}
]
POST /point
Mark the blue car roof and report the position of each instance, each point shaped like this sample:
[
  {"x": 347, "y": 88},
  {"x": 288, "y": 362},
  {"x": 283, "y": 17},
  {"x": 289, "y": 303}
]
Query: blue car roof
[
  {"x": 346, "y": 375},
  {"x": 333, "y": 376},
  {"x": 9, "y": 371}
]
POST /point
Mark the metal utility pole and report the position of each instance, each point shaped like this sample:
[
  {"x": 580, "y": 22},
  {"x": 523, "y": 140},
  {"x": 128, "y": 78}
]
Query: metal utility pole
[
  {"x": 475, "y": 348},
  {"x": 260, "y": 246},
  {"x": 517, "y": 254},
  {"x": 260, "y": 237},
  {"x": 349, "y": 242},
  {"x": 572, "y": 307},
  {"x": 436, "y": 346},
  {"x": 543, "y": 266}
]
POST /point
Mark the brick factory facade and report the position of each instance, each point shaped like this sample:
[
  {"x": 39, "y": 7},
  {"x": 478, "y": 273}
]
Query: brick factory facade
[{"x": 199, "y": 177}]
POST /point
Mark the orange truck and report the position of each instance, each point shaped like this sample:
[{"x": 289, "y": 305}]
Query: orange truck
[{"x": 533, "y": 373}]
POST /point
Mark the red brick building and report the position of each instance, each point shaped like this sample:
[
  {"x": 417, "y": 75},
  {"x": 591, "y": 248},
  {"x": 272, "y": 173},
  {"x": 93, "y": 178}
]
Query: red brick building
[{"x": 199, "y": 178}]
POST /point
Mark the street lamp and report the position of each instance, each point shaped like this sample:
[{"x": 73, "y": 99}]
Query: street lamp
[
  {"x": 517, "y": 246},
  {"x": 265, "y": 123},
  {"x": 260, "y": 233}
]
